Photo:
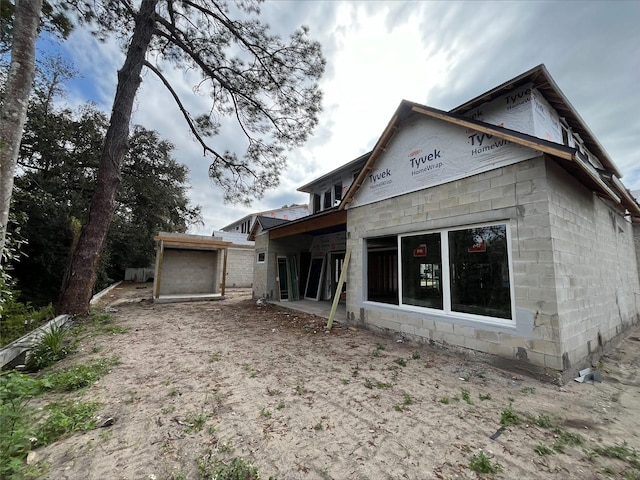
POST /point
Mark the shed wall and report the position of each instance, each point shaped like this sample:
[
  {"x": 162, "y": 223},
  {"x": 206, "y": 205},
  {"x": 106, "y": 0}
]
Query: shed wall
[{"x": 188, "y": 272}]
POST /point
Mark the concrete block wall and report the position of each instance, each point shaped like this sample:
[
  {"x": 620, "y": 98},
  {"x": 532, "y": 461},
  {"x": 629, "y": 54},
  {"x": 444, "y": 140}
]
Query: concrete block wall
[
  {"x": 518, "y": 194},
  {"x": 240, "y": 262},
  {"x": 189, "y": 271},
  {"x": 596, "y": 269},
  {"x": 260, "y": 270},
  {"x": 264, "y": 277}
]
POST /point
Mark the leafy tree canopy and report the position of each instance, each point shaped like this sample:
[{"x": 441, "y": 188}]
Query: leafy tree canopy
[
  {"x": 59, "y": 160},
  {"x": 267, "y": 84}
]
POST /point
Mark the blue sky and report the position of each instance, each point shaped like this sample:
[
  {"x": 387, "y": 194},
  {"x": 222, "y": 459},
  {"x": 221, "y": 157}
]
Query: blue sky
[{"x": 378, "y": 53}]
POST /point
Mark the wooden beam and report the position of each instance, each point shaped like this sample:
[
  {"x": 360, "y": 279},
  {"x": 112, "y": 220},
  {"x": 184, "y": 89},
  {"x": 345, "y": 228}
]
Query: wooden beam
[
  {"x": 171, "y": 241},
  {"x": 224, "y": 273},
  {"x": 596, "y": 178},
  {"x": 336, "y": 295},
  {"x": 379, "y": 148},
  {"x": 333, "y": 219},
  {"x": 498, "y": 132},
  {"x": 156, "y": 294}
]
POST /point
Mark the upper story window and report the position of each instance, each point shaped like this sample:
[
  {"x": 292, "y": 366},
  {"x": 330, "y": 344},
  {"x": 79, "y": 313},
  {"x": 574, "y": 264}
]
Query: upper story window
[
  {"x": 337, "y": 193},
  {"x": 327, "y": 200}
]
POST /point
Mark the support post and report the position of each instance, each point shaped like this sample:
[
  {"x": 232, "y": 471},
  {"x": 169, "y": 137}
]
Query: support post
[
  {"x": 336, "y": 295},
  {"x": 224, "y": 273}
]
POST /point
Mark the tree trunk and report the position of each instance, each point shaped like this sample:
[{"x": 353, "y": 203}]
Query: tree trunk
[
  {"x": 77, "y": 293},
  {"x": 17, "y": 90}
]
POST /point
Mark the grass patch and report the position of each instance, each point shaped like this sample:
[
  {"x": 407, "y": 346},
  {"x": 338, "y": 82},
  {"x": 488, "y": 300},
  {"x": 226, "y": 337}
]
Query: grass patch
[
  {"x": 265, "y": 412},
  {"x": 406, "y": 401},
  {"x": 210, "y": 468},
  {"x": 416, "y": 355},
  {"x": 484, "y": 396},
  {"x": 466, "y": 396},
  {"x": 566, "y": 439},
  {"x": 78, "y": 376},
  {"x": 401, "y": 361},
  {"x": 543, "y": 421},
  {"x": 195, "y": 422},
  {"x": 383, "y": 385},
  {"x": 509, "y": 417},
  {"x": 542, "y": 449},
  {"x": 620, "y": 451},
  {"x": 445, "y": 400},
  {"x": 65, "y": 418},
  {"x": 481, "y": 463}
]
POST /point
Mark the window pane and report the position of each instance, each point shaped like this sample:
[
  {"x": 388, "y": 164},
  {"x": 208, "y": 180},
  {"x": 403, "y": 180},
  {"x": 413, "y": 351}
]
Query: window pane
[
  {"x": 382, "y": 270},
  {"x": 480, "y": 271},
  {"x": 421, "y": 268}
]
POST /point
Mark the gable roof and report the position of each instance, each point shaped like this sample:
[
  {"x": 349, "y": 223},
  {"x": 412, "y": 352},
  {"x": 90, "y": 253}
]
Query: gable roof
[
  {"x": 265, "y": 223},
  {"x": 541, "y": 80},
  {"x": 604, "y": 183},
  {"x": 355, "y": 164}
]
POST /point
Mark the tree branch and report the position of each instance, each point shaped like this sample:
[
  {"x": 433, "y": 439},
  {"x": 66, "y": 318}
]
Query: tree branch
[{"x": 192, "y": 126}]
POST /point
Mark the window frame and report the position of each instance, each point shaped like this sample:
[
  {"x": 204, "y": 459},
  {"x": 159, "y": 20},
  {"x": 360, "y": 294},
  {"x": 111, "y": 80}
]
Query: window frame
[
  {"x": 264, "y": 257},
  {"x": 446, "y": 311}
]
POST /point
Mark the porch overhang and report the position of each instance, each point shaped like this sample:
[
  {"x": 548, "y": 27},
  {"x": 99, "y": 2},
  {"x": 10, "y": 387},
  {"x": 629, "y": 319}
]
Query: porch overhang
[{"x": 326, "y": 222}]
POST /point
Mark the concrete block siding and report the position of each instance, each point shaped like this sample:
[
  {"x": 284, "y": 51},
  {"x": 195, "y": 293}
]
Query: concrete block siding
[
  {"x": 265, "y": 272},
  {"x": 596, "y": 268},
  {"x": 189, "y": 272},
  {"x": 574, "y": 289},
  {"x": 240, "y": 262}
]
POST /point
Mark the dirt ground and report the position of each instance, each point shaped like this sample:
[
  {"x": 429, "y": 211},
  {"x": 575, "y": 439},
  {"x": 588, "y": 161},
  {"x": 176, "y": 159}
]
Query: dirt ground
[{"x": 206, "y": 381}]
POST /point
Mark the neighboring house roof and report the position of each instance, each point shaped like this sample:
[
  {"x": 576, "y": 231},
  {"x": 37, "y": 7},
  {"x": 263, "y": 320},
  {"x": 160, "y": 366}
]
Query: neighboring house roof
[
  {"x": 327, "y": 221},
  {"x": 605, "y": 183},
  {"x": 251, "y": 215},
  {"x": 233, "y": 237},
  {"x": 355, "y": 164},
  {"x": 265, "y": 223}
]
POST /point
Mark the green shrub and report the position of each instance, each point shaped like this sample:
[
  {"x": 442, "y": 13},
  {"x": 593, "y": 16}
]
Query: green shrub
[
  {"x": 50, "y": 348},
  {"x": 16, "y": 420},
  {"x": 481, "y": 463},
  {"x": 18, "y": 319},
  {"x": 64, "y": 418}
]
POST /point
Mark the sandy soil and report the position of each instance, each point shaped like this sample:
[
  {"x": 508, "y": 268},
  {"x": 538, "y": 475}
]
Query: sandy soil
[{"x": 299, "y": 403}]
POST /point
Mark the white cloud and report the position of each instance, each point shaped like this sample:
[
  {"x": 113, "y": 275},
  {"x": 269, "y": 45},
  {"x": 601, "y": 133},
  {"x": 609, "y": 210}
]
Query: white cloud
[{"x": 438, "y": 53}]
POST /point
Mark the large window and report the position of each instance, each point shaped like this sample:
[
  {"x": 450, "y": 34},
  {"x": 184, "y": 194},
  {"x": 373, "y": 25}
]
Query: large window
[
  {"x": 421, "y": 270},
  {"x": 479, "y": 267},
  {"x": 382, "y": 270},
  {"x": 462, "y": 271}
]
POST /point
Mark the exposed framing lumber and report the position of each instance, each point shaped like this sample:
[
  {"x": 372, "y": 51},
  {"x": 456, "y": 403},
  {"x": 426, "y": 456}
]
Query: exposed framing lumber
[
  {"x": 309, "y": 225},
  {"x": 378, "y": 149},
  {"x": 497, "y": 131},
  {"x": 336, "y": 295}
]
